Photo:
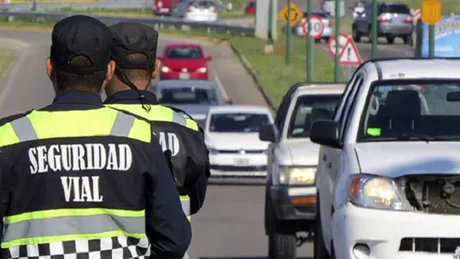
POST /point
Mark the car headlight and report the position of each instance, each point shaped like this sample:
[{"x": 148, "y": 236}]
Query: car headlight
[
  {"x": 165, "y": 69},
  {"x": 376, "y": 192},
  {"x": 297, "y": 175},
  {"x": 213, "y": 151},
  {"x": 202, "y": 70}
]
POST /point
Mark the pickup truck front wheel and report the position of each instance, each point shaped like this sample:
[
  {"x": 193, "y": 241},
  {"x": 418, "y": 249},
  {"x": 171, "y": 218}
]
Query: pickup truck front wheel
[{"x": 282, "y": 240}]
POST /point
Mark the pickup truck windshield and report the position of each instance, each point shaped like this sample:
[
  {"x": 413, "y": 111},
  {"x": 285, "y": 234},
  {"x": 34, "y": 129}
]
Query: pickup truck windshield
[
  {"x": 309, "y": 108},
  {"x": 415, "y": 111}
]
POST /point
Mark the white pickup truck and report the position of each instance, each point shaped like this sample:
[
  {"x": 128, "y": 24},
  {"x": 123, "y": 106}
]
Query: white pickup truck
[
  {"x": 389, "y": 164},
  {"x": 290, "y": 204}
]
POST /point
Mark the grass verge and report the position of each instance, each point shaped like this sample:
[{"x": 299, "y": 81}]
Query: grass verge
[
  {"x": 269, "y": 69},
  {"x": 7, "y": 58}
]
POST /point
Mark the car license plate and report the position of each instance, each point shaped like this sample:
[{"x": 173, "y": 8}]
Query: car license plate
[
  {"x": 241, "y": 161},
  {"x": 184, "y": 76}
]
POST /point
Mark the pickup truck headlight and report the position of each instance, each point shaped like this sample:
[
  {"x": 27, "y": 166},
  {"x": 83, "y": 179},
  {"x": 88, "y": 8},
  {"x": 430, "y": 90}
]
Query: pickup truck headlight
[
  {"x": 165, "y": 69},
  {"x": 202, "y": 70},
  {"x": 297, "y": 175},
  {"x": 376, "y": 192}
]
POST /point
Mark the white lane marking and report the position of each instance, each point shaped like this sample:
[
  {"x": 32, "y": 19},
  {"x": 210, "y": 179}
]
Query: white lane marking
[
  {"x": 15, "y": 70},
  {"x": 221, "y": 87}
]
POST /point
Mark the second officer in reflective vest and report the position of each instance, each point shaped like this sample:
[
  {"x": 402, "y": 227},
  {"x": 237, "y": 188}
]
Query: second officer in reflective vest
[
  {"x": 134, "y": 51},
  {"x": 81, "y": 180}
]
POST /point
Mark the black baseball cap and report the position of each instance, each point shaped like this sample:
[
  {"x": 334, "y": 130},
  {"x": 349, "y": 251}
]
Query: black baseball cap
[
  {"x": 134, "y": 38},
  {"x": 81, "y": 35}
]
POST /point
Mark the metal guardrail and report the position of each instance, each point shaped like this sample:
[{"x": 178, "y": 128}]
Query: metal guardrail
[
  {"x": 158, "y": 22},
  {"x": 106, "y": 4}
]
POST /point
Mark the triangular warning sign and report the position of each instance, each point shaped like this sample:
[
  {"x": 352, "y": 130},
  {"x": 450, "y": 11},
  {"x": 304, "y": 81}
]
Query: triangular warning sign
[{"x": 350, "y": 54}]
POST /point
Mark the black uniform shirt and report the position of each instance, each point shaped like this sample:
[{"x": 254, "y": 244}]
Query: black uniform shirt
[
  {"x": 167, "y": 228},
  {"x": 197, "y": 187}
]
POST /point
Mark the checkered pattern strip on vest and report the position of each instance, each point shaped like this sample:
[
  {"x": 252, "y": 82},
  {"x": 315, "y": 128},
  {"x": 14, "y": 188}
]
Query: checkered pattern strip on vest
[{"x": 105, "y": 248}]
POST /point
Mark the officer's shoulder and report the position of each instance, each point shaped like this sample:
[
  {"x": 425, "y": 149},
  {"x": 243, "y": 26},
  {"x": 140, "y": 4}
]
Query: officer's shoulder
[
  {"x": 190, "y": 122},
  {"x": 13, "y": 117}
]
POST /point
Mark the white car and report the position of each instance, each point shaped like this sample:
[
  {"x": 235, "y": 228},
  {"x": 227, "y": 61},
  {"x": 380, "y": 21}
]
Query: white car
[
  {"x": 232, "y": 137},
  {"x": 389, "y": 167},
  {"x": 197, "y": 10},
  {"x": 290, "y": 198}
]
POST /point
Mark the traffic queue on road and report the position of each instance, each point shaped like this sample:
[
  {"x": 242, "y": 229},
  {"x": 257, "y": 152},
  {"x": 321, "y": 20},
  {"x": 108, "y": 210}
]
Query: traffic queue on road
[
  {"x": 231, "y": 131},
  {"x": 368, "y": 168}
]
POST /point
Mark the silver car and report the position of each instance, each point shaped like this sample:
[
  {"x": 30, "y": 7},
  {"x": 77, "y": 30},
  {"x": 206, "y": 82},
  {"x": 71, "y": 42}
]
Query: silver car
[
  {"x": 298, "y": 29},
  {"x": 197, "y": 10},
  {"x": 394, "y": 20},
  {"x": 195, "y": 97}
]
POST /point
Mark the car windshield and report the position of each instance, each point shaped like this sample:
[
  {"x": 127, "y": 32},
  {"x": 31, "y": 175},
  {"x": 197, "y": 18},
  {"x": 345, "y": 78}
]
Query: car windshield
[
  {"x": 419, "y": 110},
  {"x": 184, "y": 53},
  {"x": 395, "y": 8},
  {"x": 202, "y": 4},
  {"x": 188, "y": 96},
  {"x": 237, "y": 122},
  {"x": 308, "y": 109}
]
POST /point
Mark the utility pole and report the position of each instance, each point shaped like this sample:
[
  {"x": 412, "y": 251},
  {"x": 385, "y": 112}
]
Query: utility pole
[
  {"x": 288, "y": 36},
  {"x": 374, "y": 29},
  {"x": 337, "y": 43},
  {"x": 269, "y": 44},
  {"x": 309, "y": 45}
]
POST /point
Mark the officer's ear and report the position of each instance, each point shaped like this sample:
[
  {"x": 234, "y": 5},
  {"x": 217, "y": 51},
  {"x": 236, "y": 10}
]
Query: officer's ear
[
  {"x": 50, "y": 69},
  {"x": 110, "y": 70},
  {"x": 157, "y": 68}
]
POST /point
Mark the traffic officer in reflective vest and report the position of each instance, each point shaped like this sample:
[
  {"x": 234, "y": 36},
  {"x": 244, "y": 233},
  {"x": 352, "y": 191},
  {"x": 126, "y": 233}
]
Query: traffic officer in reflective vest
[
  {"x": 81, "y": 180},
  {"x": 134, "y": 51}
]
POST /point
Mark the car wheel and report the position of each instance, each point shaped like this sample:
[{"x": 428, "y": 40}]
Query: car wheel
[
  {"x": 282, "y": 241},
  {"x": 319, "y": 248},
  {"x": 355, "y": 34},
  {"x": 282, "y": 246},
  {"x": 391, "y": 39},
  {"x": 317, "y": 40},
  {"x": 326, "y": 39}
]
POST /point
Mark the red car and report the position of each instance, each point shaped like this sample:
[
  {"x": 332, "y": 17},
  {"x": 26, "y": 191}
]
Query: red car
[
  {"x": 184, "y": 61},
  {"x": 251, "y": 7},
  {"x": 164, "y": 7}
]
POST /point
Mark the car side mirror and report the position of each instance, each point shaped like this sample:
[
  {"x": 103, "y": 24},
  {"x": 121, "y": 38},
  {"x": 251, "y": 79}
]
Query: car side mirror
[
  {"x": 326, "y": 132},
  {"x": 269, "y": 133},
  {"x": 209, "y": 58}
]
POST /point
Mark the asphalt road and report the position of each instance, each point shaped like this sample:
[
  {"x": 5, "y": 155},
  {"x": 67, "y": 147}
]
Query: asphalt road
[{"x": 231, "y": 222}]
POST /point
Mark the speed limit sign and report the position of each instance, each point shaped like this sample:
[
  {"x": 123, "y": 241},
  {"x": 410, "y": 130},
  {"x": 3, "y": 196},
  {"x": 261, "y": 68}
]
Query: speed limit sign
[{"x": 317, "y": 27}]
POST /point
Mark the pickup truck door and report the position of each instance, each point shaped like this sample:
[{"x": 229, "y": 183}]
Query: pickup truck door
[{"x": 330, "y": 158}]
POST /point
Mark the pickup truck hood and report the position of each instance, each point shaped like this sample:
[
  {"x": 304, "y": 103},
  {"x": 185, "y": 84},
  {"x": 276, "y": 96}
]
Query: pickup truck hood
[
  {"x": 299, "y": 152},
  {"x": 395, "y": 159}
]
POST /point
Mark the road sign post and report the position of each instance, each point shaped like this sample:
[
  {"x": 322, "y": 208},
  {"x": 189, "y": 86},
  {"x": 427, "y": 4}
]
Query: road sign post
[
  {"x": 309, "y": 45},
  {"x": 374, "y": 29},
  {"x": 313, "y": 28},
  {"x": 337, "y": 35},
  {"x": 291, "y": 15},
  {"x": 431, "y": 14}
]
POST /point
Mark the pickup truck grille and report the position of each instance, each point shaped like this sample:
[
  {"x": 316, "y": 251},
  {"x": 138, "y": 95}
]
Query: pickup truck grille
[
  {"x": 436, "y": 194},
  {"x": 432, "y": 246}
]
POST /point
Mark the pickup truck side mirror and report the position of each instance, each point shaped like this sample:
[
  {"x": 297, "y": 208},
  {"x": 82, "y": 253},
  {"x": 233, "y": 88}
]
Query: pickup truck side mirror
[
  {"x": 326, "y": 132},
  {"x": 269, "y": 133}
]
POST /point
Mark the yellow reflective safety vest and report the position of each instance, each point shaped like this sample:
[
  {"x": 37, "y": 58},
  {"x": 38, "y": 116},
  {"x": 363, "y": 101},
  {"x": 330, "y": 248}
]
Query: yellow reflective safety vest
[
  {"x": 179, "y": 134},
  {"x": 68, "y": 182}
]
